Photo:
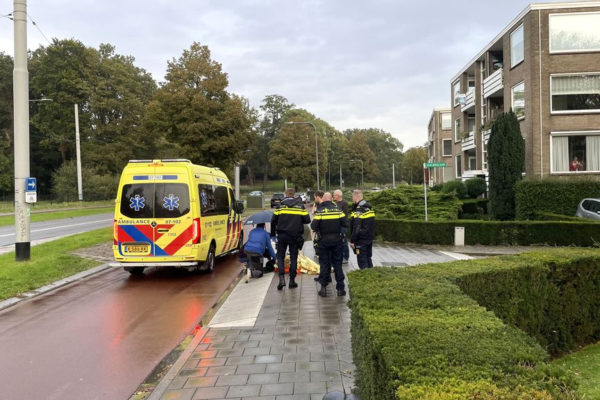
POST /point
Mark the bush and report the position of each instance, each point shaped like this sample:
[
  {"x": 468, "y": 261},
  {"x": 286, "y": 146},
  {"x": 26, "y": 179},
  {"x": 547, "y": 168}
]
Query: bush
[
  {"x": 551, "y": 195},
  {"x": 524, "y": 233},
  {"x": 457, "y": 187},
  {"x": 407, "y": 202},
  {"x": 475, "y": 187},
  {"x": 416, "y": 333},
  {"x": 95, "y": 187},
  {"x": 474, "y": 206}
]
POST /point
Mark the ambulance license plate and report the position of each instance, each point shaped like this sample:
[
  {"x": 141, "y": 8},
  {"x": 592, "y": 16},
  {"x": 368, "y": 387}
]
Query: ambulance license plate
[{"x": 136, "y": 248}]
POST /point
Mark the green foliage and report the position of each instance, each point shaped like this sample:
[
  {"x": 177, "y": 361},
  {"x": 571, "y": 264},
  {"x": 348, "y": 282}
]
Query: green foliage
[
  {"x": 584, "y": 364},
  {"x": 95, "y": 186},
  {"x": 387, "y": 150},
  {"x": 407, "y": 202},
  {"x": 6, "y": 123},
  {"x": 501, "y": 233},
  {"x": 412, "y": 165},
  {"x": 458, "y": 187},
  {"x": 197, "y": 115},
  {"x": 416, "y": 333},
  {"x": 533, "y": 198},
  {"x": 475, "y": 187},
  {"x": 506, "y": 153}
]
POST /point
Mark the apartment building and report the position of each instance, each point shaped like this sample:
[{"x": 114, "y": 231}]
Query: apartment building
[
  {"x": 441, "y": 145},
  {"x": 545, "y": 66}
]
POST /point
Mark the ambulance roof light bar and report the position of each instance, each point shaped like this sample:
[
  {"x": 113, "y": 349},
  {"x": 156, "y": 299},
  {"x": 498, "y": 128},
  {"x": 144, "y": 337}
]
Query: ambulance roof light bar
[{"x": 162, "y": 160}]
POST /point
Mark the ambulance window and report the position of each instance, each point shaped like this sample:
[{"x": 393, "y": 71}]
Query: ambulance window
[
  {"x": 222, "y": 199},
  {"x": 137, "y": 200},
  {"x": 172, "y": 200},
  {"x": 208, "y": 205}
]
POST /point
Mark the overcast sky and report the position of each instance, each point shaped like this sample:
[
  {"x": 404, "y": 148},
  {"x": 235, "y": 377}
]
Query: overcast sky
[{"x": 355, "y": 64}]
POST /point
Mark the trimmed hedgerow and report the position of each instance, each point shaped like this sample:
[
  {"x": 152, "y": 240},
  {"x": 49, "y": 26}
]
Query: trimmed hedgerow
[
  {"x": 557, "y": 196},
  {"x": 554, "y": 233},
  {"x": 416, "y": 333}
]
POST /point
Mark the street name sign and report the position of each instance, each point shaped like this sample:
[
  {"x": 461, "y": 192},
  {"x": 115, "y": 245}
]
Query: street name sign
[{"x": 435, "y": 164}]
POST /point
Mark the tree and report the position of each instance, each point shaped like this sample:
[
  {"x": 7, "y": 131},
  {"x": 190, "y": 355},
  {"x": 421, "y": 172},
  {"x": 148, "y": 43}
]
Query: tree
[
  {"x": 506, "y": 158},
  {"x": 197, "y": 115},
  {"x": 387, "y": 148},
  {"x": 412, "y": 164},
  {"x": 6, "y": 123},
  {"x": 358, "y": 150}
]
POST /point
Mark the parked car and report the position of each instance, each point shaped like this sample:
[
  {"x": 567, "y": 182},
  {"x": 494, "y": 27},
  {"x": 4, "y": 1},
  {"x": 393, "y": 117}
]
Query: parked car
[
  {"x": 304, "y": 197},
  {"x": 589, "y": 208},
  {"x": 376, "y": 189},
  {"x": 256, "y": 193},
  {"x": 276, "y": 199}
]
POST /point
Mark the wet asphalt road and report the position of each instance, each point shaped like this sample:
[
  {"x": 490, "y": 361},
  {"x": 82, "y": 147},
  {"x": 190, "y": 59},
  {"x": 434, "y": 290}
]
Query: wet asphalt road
[{"x": 99, "y": 338}]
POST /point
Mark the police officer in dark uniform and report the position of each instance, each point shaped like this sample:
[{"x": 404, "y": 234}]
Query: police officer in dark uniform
[
  {"x": 330, "y": 224},
  {"x": 362, "y": 226},
  {"x": 288, "y": 224}
]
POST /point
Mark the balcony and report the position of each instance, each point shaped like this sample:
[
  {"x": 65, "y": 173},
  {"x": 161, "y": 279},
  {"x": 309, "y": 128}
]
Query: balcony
[
  {"x": 469, "y": 100},
  {"x": 486, "y": 135},
  {"x": 468, "y": 143},
  {"x": 493, "y": 83}
]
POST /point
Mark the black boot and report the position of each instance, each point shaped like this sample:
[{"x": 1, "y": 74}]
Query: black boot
[
  {"x": 323, "y": 291},
  {"x": 293, "y": 283},
  {"x": 341, "y": 292},
  {"x": 281, "y": 282}
]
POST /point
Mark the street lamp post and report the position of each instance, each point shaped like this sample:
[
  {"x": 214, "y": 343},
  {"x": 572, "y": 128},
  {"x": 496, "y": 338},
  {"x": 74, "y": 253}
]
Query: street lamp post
[
  {"x": 362, "y": 175},
  {"x": 316, "y": 144}
]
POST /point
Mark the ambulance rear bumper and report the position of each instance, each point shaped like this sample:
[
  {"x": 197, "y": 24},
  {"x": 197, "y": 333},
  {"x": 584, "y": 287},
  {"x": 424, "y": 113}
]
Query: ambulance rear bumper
[{"x": 154, "y": 264}]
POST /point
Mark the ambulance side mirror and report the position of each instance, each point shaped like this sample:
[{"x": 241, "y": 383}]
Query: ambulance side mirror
[{"x": 239, "y": 207}]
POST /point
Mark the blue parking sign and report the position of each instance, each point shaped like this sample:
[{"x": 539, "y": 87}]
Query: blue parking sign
[{"x": 30, "y": 184}]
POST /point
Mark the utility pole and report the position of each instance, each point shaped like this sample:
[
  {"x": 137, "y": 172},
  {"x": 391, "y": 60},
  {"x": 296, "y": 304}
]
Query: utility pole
[
  {"x": 341, "y": 179},
  {"x": 236, "y": 177},
  {"x": 21, "y": 130},
  {"x": 78, "y": 152},
  {"x": 393, "y": 176}
]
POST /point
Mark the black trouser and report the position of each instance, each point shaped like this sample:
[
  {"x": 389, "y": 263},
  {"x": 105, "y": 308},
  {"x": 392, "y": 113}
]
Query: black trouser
[
  {"x": 283, "y": 242},
  {"x": 364, "y": 254},
  {"x": 331, "y": 255}
]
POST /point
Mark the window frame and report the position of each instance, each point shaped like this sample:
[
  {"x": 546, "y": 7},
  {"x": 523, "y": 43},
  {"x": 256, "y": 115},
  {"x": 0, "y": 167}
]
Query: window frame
[
  {"x": 456, "y": 138},
  {"x": 443, "y": 148},
  {"x": 514, "y": 63},
  {"x": 550, "y": 51},
  {"x": 595, "y": 111},
  {"x": 455, "y": 92},
  {"x": 512, "y": 99},
  {"x": 449, "y": 114},
  {"x": 458, "y": 165},
  {"x": 569, "y": 133}
]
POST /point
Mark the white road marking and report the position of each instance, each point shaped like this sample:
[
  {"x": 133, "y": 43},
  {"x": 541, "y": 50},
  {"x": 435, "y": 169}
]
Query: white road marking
[
  {"x": 457, "y": 256},
  {"x": 61, "y": 226}
]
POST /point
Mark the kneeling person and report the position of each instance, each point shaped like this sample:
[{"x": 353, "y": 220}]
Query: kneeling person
[
  {"x": 259, "y": 244},
  {"x": 329, "y": 225}
]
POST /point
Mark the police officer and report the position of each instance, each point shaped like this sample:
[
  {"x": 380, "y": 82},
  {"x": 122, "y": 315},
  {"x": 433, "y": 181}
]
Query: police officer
[
  {"x": 362, "y": 226},
  {"x": 338, "y": 197},
  {"x": 288, "y": 224},
  {"x": 329, "y": 225}
]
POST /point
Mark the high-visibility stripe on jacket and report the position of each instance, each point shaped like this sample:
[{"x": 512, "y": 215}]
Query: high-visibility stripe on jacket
[
  {"x": 289, "y": 218},
  {"x": 362, "y": 223},
  {"x": 329, "y": 222}
]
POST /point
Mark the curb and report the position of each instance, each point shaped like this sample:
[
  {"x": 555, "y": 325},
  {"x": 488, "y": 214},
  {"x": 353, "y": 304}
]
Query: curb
[{"x": 4, "y": 304}]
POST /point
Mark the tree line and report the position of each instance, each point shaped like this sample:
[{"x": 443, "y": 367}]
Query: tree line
[{"x": 125, "y": 114}]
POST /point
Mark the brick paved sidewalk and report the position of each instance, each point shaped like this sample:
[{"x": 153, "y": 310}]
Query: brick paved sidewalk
[{"x": 299, "y": 348}]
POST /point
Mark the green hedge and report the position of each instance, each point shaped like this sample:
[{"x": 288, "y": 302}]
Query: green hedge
[
  {"x": 558, "y": 196},
  {"x": 524, "y": 233},
  {"x": 417, "y": 335}
]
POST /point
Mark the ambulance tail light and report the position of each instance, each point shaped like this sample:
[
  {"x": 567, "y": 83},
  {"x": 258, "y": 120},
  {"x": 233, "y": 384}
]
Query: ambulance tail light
[
  {"x": 196, "y": 232},
  {"x": 115, "y": 232}
]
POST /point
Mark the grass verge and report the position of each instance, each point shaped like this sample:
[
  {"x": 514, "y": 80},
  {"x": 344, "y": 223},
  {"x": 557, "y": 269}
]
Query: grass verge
[
  {"x": 10, "y": 219},
  {"x": 8, "y": 206},
  {"x": 49, "y": 262},
  {"x": 584, "y": 365}
]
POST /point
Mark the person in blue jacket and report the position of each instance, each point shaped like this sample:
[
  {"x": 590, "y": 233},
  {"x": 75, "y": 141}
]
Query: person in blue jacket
[{"x": 259, "y": 242}]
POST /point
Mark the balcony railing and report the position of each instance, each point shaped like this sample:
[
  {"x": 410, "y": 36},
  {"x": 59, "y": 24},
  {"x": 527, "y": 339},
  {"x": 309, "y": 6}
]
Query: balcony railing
[
  {"x": 486, "y": 135},
  {"x": 469, "y": 100},
  {"x": 493, "y": 83},
  {"x": 468, "y": 143}
]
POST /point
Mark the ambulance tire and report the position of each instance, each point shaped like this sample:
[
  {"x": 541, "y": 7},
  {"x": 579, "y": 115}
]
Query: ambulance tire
[
  {"x": 135, "y": 271},
  {"x": 240, "y": 242},
  {"x": 209, "y": 264}
]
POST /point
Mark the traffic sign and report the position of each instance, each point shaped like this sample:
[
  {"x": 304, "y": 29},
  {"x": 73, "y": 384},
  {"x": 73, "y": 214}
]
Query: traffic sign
[
  {"x": 30, "y": 184},
  {"x": 434, "y": 164}
]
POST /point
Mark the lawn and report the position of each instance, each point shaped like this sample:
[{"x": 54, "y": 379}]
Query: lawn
[
  {"x": 585, "y": 364},
  {"x": 10, "y": 219},
  {"x": 49, "y": 262},
  {"x": 8, "y": 206}
]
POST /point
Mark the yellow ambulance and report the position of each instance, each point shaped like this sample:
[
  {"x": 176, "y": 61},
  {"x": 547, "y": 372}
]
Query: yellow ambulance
[{"x": 174, "y": 213}]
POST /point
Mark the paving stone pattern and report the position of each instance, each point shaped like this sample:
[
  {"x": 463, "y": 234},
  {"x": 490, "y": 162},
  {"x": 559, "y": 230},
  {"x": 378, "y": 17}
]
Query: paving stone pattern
[{"x": 299, "y": 348}]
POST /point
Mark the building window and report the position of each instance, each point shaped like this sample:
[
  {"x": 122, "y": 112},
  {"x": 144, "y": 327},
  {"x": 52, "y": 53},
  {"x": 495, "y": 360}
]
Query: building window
[
  {"x": 574, "y": 32},
  {"x": 575, "y": 152},
  {"x": 518, "y": 100},
  {"x": 447, "y": 147},
  {"x": 446, "y": 121},
  {"x": 575, "y": 93},
  {"x": 457, "y": 134},
  {"x": 472, "y": 163},
  {"x": 458, "y": 166},
  {"x": 455, "y": 92},
  {"x": 471, "y": 125},
  {"x": 517, "y": 47}
]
